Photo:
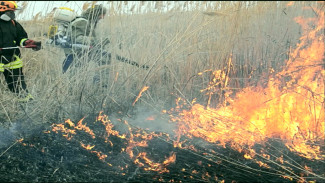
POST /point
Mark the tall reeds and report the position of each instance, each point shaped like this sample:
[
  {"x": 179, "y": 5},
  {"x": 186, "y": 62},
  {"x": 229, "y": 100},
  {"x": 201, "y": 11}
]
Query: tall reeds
[{"x": 244, "y": 40}]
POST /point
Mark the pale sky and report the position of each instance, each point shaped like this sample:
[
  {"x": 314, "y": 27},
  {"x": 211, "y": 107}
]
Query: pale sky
[
  {"x": 34, "y": 7},
  {"x": 44, "y": 7}
]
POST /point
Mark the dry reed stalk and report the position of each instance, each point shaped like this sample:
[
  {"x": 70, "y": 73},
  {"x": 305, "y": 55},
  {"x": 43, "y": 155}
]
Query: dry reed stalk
[
  {"x": 177, "y": 45},
  {"x": 85, "y": 6}
]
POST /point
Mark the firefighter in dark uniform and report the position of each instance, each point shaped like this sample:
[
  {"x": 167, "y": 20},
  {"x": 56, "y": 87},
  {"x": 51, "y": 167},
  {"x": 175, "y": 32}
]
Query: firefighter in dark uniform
[{"x": 12, "y": 35}]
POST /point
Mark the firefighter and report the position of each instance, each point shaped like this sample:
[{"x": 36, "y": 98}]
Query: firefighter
[
  {"x": 81, "y": 31},
  {"x": 12, "y": 35}
]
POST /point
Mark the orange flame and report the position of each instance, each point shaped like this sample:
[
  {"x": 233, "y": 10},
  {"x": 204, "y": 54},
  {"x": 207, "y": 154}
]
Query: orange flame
[
  {"x": 150, "y": 118},
  {"x": 291, "y": 107},
  {"x": 290, "y": 3},
  {"x": 170, "y": 159},
  {"x": 85, "y": 128},
  {"x": 152, "y": 166},
  {"x": 135, "y": 139},
  {"x": 88, "y": 147},
  {"x": 140, "y": 93},
  {"x": 67, "y": 133},
  {"x": 108, "y": 126}
]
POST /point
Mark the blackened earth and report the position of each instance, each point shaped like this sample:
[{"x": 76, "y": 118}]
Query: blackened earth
[{"x": 50, "y": 157}]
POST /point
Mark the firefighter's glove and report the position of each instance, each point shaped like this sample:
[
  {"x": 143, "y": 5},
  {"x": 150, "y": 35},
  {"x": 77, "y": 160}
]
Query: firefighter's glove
[{"x": 35, "y": 45}]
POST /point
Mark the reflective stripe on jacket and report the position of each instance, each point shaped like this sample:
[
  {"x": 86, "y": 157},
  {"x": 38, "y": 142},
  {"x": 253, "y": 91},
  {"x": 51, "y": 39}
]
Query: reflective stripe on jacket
[
  {"x": 11, "y": 35},
  {"x": 18, "y": 63}
]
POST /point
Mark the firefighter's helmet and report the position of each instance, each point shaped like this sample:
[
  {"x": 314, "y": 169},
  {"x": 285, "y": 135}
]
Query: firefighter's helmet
[
  {"x": 94, "y": 12},
  {"x": 8, "y": 5}
]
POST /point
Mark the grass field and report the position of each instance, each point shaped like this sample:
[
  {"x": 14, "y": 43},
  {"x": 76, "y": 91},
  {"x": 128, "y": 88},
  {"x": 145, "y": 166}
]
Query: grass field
[
  {"x": 237, "y": 43},
  {"x": 234, "y": 92}
]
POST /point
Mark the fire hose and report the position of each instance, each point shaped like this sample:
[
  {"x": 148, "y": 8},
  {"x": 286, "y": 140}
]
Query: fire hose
[
  {"x": 118, "y": 57},
  {"x": 81, "y": 46},
  {"x": 64, "y": 43},
  {"x": 14, "y": 64},
  {"x": 14, "y": 47}
]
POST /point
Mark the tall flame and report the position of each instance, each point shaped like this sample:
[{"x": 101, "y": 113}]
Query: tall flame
[{"x": 290, "y": 107}]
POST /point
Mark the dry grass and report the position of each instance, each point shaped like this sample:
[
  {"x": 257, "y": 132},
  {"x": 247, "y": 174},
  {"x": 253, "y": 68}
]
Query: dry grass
[{"x": 177, "y": 45}]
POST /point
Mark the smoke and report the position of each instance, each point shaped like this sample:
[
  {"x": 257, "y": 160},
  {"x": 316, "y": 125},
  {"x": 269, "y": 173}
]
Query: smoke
[
  {"x": 148, "y": 119},
  {"x": 18, "y": 130},
  {"x": 142, "y": 117},
  {"x": 8, "y": 135}
]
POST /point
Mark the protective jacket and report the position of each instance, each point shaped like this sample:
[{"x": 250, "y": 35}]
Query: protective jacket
[
  {"x": 81, "y": 30},
  {"x": 12, "y": 34},
  {"x": 81, "y": 34}
]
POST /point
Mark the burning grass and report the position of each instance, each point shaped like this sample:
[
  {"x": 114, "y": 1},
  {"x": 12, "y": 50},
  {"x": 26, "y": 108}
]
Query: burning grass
[
  {"x": 268, "y": 129},
  {"x": 176, "y": 45},
  {"x": 93, "y": 150}
]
